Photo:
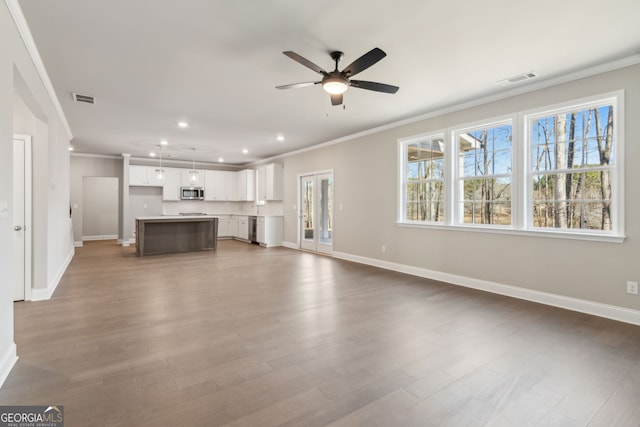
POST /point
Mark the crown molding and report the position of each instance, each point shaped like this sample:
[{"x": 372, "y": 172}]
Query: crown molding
[
  {"x": 98, "y": 156},
  {"x": 25, "y": 33}
]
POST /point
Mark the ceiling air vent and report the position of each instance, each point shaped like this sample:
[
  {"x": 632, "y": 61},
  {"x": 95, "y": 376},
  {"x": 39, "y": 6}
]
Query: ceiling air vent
[
  {"x": 517, "y": 79},
  {"x": 83, "y": 98}
]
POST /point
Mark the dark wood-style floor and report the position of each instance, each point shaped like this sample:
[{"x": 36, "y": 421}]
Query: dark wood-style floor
[{"x": 250, "y": 336}]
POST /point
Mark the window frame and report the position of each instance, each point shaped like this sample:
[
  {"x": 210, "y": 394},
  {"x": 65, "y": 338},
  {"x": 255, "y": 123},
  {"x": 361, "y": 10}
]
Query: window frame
[
  {"x": 456, "y": 164},
  {"x": 403, "y": 144},
  {"x": 521, "y": 174},
  {"x": 616, "y": 100}
]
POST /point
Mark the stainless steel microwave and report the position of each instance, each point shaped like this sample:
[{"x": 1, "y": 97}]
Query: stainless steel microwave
[{"x": 192, "y": 193}]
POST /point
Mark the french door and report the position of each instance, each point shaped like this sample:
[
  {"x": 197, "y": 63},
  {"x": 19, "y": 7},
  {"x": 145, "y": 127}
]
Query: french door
[{"x": 316, "y": 212}]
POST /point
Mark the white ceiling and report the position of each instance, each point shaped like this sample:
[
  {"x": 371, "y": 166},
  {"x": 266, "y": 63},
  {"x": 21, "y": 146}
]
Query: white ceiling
[{"x": 215, "y": 64}]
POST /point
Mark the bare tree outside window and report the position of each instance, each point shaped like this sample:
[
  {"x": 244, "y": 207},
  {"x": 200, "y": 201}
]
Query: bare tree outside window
[
  {"x": 484, "y": 164},
  {"x": 424, "y": 180},
  {"x": 572, "y": 156}
]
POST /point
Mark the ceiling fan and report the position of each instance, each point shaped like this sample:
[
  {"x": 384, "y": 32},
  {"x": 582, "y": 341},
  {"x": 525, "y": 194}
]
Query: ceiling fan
[{"x": 337, "y": 82}]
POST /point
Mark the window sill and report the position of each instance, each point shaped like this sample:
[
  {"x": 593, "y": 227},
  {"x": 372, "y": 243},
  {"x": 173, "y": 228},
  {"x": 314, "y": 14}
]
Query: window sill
[{"x": 555, "y": 234}]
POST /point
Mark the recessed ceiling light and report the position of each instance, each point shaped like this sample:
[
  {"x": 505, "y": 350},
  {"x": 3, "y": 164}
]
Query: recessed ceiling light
[
  {"x": 70, "y": 148},
  {"x": 245, "y": 151},
  {"x": 221, "y": 160},
  {"x": 152, "y": 154},
  {"x": 164, "y": 142},
  {"x": 183, "y": 124},
  {"x": 280, "y": 138}
]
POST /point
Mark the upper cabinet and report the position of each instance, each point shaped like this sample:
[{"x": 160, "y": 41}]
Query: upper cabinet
[
  {"x": 219, "y": 185},
  {"x": 146, "y": 176},
  {"x": 191, "y": 180},
  {"x": 245, "y": 185},
  {"x": 172, "y": 184},
  {"x": 270, "y": 182}
]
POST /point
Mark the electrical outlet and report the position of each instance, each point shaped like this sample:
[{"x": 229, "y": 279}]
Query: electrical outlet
[
  {"x": 383, "y": 248},
  {"x": 632, "y": 288}
]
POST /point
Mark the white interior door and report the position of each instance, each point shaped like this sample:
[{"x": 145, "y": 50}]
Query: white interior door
[
  {"x": 316, "y": 212},
  {"x": 22, "y": 217}
]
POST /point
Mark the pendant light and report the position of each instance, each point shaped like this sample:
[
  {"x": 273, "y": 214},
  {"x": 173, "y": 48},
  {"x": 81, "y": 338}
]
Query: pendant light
[
  {"x": 193, "y": 173},
  {"x": 160, "y": 171}
]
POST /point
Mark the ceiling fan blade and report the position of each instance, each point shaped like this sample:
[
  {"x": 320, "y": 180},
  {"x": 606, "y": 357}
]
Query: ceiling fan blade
[
  {"x": 378, "y": 87},
  {"x": 297, "y": 85},
  {"x": 364, "y": 62},
  {"x": 336, "y": 99},
  {"x": 304, "y": 61}
]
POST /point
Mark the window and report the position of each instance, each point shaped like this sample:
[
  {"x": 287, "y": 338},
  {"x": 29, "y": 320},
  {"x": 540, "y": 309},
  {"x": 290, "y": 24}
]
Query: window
[
  {"x": 571, "y": 168},
  {"x": 560, "y": 175},
  {"x": 484, "y": 164},
  {"x": 423, "y": 179}
]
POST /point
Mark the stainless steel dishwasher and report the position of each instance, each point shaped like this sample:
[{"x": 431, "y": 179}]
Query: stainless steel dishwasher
[{"x": 253, "y": 229}]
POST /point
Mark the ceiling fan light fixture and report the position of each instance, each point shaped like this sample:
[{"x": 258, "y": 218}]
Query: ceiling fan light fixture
[
  {"x": 335, "y": 85},
  {"x": 337, "y": 82}
]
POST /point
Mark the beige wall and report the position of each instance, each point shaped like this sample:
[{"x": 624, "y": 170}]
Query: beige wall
[
  {"x": 365, "y": 172},
  {"x": 100, "y": 204}
]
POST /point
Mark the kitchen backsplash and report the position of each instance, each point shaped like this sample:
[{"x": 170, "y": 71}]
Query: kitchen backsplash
[{"x": 221, "y": 208}]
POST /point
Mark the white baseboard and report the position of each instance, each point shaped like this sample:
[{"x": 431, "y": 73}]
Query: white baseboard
[
  {"x": 621, "y": 314},
  {"x": 7, "y": 362},
  {"x": 102, "y": 237},
  {"x": 290, "y": 245},
  {"x": 126, "y": 243},
  {"x": 38, "y": 294},
  {"x": 78, "y": 244}
]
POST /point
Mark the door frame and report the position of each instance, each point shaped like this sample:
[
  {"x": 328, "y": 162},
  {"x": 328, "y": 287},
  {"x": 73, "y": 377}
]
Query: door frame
[
  {"x": 315, "y": 174},
  {"x": 28, "y": 210}
]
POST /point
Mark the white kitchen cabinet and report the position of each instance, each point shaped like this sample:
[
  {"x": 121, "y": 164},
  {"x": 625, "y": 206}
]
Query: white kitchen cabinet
[
  {"x": 245, "y": 185},
  {"x": 172, "y": 183},
  {"x": 144, "y": 176},
  {"x": 233, "y": 226},
  {"x": 270, "y": 182},
  {"x": 223, "y": 226},
  {"x": 188, "y": 181},
  {"x": 243, "y": 227},
  {"x": 226, "y": 185},
  {"x": 219, "y": 185},
  {"x": 269, "y": 230},
  {"x": 137, "y": 175}
]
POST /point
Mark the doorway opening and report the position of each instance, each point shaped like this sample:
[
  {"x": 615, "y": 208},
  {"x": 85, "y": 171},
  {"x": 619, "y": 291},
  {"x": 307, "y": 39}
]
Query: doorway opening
[{"x": 100, "y": 198}]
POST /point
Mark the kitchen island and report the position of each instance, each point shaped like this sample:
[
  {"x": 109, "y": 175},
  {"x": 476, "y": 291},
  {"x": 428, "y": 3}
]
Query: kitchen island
[{"x": 176, "y": 233}]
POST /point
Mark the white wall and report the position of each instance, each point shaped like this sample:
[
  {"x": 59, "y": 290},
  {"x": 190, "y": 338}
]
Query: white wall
[
  {"x": 365, "y": 172},
  {"x": 36, "y": 113},
  {"x": 144, "y": 201},
  {"x": 7, "y": 346}
]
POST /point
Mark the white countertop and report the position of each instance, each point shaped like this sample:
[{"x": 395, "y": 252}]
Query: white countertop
[{"x": 147, "y": 218}]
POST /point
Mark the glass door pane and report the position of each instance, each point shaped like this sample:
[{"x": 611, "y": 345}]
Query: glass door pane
[
  {"x": 307, "y": 215},
  {"x": 326, "y": 210}
]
